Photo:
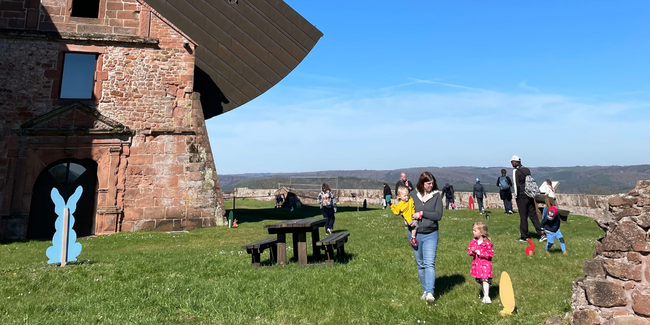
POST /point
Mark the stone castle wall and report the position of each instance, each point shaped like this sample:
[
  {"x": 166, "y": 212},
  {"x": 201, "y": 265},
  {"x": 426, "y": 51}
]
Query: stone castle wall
[
  {"x": 157, "y": 172},
  {"x": 578, "y": 204},
  {"x": 616, "y": 286}
]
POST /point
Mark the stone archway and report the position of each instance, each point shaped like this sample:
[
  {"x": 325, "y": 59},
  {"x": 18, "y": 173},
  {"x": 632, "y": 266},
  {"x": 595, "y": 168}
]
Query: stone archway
[{"x": 65, "y": 175}]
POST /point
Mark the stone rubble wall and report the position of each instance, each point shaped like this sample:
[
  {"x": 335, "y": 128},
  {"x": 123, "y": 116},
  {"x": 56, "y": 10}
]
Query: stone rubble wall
[
  {"x": 578, "y": 204},
  {"x": 616, "y": 286}
]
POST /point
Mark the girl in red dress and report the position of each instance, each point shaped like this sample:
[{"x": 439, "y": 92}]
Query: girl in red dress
[{"x": 481, "y": 249}]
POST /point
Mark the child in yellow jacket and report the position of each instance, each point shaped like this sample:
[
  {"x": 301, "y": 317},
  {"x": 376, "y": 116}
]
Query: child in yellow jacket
[{"x": 405, "y": 207}]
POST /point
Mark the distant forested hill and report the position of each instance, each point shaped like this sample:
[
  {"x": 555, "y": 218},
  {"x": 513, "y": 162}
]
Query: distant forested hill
[{"x": 578, "y": 179}]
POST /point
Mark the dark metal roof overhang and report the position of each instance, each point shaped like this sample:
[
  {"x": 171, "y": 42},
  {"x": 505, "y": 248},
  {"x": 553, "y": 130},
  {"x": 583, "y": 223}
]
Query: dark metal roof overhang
[{"x": 245, "y": 47}]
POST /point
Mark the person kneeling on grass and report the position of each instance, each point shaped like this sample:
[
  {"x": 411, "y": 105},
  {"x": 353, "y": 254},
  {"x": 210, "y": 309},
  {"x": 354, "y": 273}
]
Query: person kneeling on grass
[
  {"x": 481, "y": 249},
  {"x": 405, "y": 207},
  {"x": 551, "y": 224}
]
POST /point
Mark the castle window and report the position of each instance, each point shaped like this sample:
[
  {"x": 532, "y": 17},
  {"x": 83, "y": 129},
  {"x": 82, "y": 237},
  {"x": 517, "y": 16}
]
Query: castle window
[
  {"x": 85, "y": 8},
  {"x": 66, "y": 173},
  {"x": 78, "y": 76}
]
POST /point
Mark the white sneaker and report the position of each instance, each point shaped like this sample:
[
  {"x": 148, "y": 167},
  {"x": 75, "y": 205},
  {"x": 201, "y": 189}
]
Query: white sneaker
[
  {"x": 429, "y": 298},
  {"x": 424, "y": 296},
  {"x": 487, "y": 300}
]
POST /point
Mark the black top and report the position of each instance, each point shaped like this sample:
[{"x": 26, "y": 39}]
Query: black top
[
  {"x": 479, "y": 191},
  {"x": 448, "y": 192},
  {"x": 551, "y": 225},
  {"x": 521, "y": 173},
  {"x": 408, "y": 185}
]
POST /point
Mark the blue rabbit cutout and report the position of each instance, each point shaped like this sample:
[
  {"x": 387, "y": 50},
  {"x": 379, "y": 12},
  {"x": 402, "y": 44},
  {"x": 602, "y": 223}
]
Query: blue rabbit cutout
[{"x": 74, "y": 248}]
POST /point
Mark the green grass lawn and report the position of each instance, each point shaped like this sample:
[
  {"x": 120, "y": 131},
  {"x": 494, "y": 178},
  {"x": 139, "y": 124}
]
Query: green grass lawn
[{"x": 204, "y": 277}]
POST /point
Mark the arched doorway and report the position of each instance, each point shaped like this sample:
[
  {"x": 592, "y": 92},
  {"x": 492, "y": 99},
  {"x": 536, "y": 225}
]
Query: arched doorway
[{"x": 65, "y": 175}]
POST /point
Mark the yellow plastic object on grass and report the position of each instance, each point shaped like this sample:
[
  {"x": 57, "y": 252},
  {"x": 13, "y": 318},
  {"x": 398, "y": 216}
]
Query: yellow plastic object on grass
[{"x": 507, "y": 295}]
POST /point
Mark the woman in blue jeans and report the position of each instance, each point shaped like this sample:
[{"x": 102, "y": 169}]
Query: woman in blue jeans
[{"x": 428, "y": 204}]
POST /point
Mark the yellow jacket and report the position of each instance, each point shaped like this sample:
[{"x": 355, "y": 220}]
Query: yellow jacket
[{"x": 404, "y": 208}]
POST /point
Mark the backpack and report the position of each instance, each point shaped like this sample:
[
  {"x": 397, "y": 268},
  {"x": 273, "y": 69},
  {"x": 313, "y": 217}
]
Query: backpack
[
  {"x": 531, "y": 188},
  {"x": 327, "y": 199},
  {"x": 503, "y": 183}
]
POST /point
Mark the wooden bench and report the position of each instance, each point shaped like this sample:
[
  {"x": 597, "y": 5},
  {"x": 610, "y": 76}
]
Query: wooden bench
[
  {"x": 258, "y": 247},
  {"x": 337, "y": 241}
]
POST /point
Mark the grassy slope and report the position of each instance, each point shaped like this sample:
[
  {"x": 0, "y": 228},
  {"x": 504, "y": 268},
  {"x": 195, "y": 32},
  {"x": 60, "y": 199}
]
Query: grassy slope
[{"x": 203, "y": 277}]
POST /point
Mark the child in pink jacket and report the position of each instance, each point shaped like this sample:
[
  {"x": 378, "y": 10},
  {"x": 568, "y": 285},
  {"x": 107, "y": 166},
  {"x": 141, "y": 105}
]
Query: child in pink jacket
[{"x": 481, "y": 249}]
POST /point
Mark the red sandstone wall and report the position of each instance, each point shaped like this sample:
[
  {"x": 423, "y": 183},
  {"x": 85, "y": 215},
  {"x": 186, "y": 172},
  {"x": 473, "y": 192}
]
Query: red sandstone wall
[{"x": 163, "y": 176}]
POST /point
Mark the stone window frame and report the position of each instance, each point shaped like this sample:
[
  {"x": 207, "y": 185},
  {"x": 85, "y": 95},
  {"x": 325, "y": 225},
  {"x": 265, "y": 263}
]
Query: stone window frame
[
  {"x": 100, "y": 75},
  {"x": 70, "y": 19}
]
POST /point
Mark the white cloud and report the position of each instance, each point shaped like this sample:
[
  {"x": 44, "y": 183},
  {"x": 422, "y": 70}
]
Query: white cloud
[{"x": 398, "y": 127}]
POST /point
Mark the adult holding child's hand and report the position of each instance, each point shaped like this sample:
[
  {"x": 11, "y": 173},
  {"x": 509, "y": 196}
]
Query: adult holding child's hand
[{"x": 427, "y": 200}]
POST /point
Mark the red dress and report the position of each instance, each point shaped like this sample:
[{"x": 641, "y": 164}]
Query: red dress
[{"x": 482, "y": 264}]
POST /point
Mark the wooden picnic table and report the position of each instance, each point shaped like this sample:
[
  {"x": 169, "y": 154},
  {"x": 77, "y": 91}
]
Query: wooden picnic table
[{"x": 299, "y": 229}]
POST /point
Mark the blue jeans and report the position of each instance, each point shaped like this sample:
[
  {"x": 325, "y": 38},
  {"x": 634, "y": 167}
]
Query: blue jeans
[
  {"x": 425, "y": 258},
  {"x": 507, "y": 205},
  {"x": 550, "y": 238},
  {"x": 449, "y": 201},
  {"x": 328, "y": 213}
]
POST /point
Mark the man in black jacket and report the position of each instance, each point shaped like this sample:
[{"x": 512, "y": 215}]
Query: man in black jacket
[
  {"x": 403, "y": 182},
  {"x": 526, "y": 205},
  {"x": 448, "y": 193},
  {"x": 478, "y": 194}
]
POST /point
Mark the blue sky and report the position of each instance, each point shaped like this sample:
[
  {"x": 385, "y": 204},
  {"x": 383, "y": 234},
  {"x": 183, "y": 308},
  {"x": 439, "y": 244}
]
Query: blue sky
[{"x": 396, "y": 84}]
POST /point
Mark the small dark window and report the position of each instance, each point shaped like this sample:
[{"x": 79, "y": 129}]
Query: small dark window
[
  {"x": 66, "y": 173},
  {"x": 85, "y": 8},
  {"x": 78, "y": 76}
]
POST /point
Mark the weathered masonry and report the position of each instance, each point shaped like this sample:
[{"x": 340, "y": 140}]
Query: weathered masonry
[{"x": 107, "y": 95}]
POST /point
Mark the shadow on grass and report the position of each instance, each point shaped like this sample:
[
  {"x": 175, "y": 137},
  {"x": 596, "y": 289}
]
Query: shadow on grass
[
  {"x": 7, "y": 241},
  {"x": 311, "y": 260},
  {"x": 446, "y": 283},
  {"x": 494, "y": 292}
]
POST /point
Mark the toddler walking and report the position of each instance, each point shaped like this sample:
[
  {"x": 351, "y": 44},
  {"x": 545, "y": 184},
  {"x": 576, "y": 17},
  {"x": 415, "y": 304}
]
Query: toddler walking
[
  {"x": 481, "y": 249},
  {"x": 405, "y": 207},
  {"x": 551, "y": 224}
]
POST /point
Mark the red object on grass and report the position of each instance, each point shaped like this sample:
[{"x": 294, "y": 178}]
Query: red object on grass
[
  {"x": 530, "y": 250},
  {"x": 471, "y": 203},
  {"x": 234, "y": 224}
]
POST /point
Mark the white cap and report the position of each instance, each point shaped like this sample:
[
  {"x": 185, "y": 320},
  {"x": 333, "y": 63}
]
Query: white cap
[{"x": 515, "y": 158}]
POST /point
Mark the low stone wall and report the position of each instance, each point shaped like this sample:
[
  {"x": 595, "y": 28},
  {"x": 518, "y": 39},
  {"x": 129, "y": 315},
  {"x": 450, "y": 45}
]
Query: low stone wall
[
  {"x": 578, "y": 204},
  {"x": 616, "y": 286}
]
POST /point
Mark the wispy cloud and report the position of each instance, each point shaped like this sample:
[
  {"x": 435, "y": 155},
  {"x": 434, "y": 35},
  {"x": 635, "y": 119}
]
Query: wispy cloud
[
  {"x": 470, "y": 126},
  {"x": 446, "y": 84},
  {"x": 523, "y": 85}
]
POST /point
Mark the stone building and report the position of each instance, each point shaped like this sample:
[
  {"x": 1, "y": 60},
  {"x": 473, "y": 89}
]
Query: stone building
[{"x": 106, "y": 95}]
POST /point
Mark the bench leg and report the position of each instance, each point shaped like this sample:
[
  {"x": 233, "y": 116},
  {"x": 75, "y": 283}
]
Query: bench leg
[
  {"x": 315, "y": 237},
  {"x": 255, "y": 258},
  {"x": 294, "y": 236},
  {"x": 281, "y": 247},
  {"x": 302, "y": 248},
  {"x": 329, "y": 251},
  {"x": 341, "y": 251},
  {"x": 274, "y": 253}
]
